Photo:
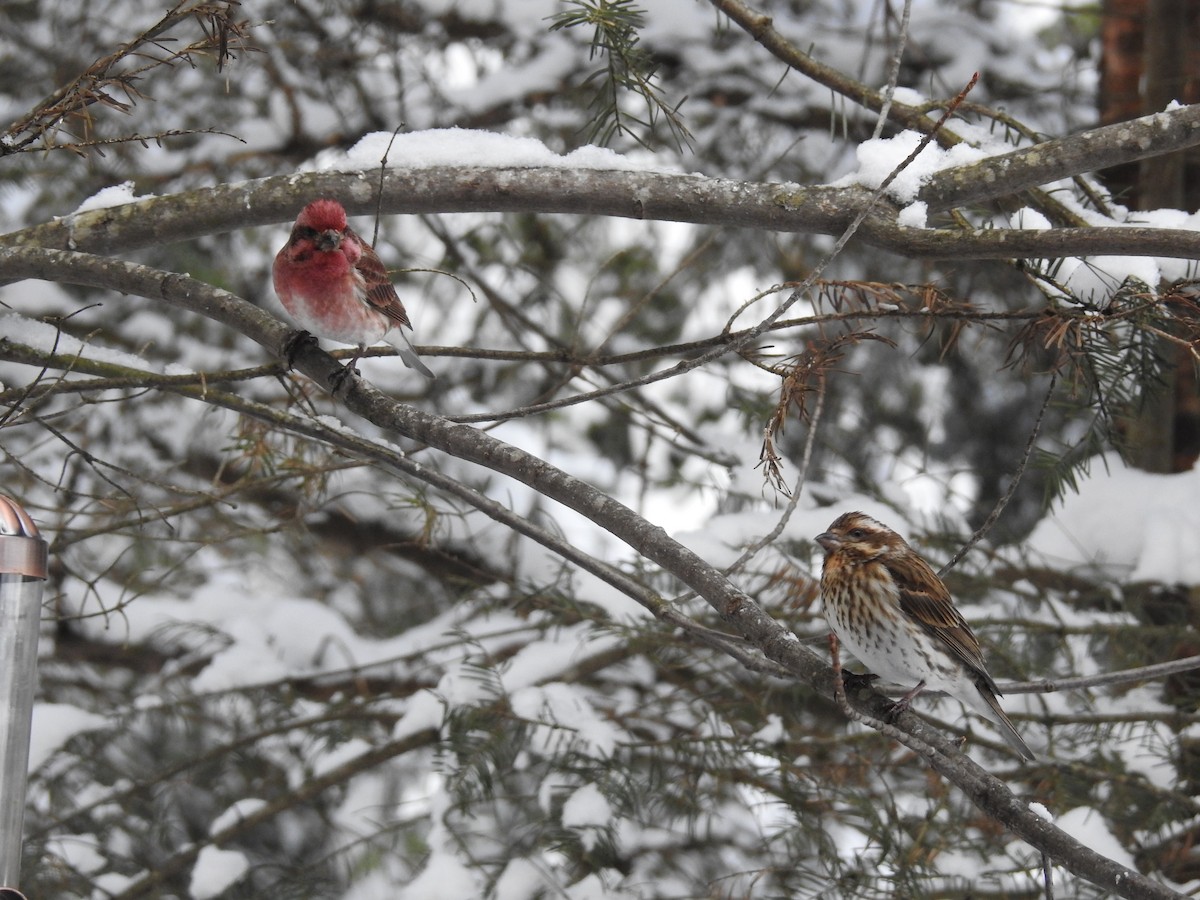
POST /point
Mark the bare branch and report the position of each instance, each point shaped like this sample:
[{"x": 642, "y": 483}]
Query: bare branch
[
  {"x": 1125, "y": 676},
  {"x": 99, "y": 84}
]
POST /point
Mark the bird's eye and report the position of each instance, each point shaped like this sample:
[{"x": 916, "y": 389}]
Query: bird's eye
[{"x": 857, "y": 534}]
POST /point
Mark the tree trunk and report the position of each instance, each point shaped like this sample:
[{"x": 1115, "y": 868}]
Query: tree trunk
[{"x": 1149, "y": 60}]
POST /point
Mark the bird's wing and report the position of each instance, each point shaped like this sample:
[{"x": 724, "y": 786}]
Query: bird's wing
[
  {"x": 924, "y": 597},
  {"x": 377, "y": 285}
]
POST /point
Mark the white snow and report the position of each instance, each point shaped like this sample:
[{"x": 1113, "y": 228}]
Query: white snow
[
  {"x": 1171, "y": 268},
  {"x": 425, "y": 710},
  {"x": 466, "y": 684},
  {"x": 587, "y": 807},
  {"x": 82, "y": 852},
  {"x": 114, "y": 195},
  {"x": 587, "y": 811},
  {"x": 565, "y": 706},
  {"x": 1133, "y": 524},
  {"x": 879, "y": 157},
  {"x": 109, "y": 884},
  {"x": 1041, "y": 811},
  {"x": 542, "y": 660},
  {"x": 1029, "y": 219},
  {"x": 236, "y": 813},
  {"x": 215, "y": 871},
  {"x": 773, "y": 731},
  {"x": 555, "y": 60},
  {"x": 53, "y": 725},
  {"x": 915, "y": 215},
  {"x": 44, "y": 337},
  {"x": 277, "y": 637},
  {"x": 446, "y": 875},
  {"x": 338, "y": 755},
  {"x": 1087, "y": 826},
  {"x": 522, "y": 878},
  {"x": 1095, "y": 278},
  {"x": 592, "y": 887},
  {"x": 469, "y": 147},
  {"x": 243, "y": 628}
]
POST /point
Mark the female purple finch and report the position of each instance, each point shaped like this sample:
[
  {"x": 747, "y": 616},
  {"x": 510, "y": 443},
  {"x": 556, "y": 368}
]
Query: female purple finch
[
  {"x": 334, "y": 285},
  {"x": 888, "y": 606}
]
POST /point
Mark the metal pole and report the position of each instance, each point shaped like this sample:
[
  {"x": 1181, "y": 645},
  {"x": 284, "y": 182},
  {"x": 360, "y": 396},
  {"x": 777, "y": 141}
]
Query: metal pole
[{"x": 22, "y": 572}]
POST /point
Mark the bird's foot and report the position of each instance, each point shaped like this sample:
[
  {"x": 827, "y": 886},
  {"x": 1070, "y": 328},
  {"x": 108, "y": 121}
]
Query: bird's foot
[
  {"x": 895, "y": 710},
  {"x": 903, "y": 703},
  {"x": 852, "y": 681},
  {"x": 292, "y": 345},
  {"x": 341, "y": 380}
]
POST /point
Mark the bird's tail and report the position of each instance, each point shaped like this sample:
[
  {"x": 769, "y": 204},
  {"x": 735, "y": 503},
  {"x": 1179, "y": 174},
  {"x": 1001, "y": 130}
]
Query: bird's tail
[
  {"x": 399, "y": 340},
  {"x": 990, "y": 708}
]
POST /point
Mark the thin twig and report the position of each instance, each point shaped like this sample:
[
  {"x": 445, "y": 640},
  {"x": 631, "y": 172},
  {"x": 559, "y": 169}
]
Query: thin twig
[
  {"x": 1012, "y": 486},
  {"x": 893, "y": 70},
  {"x": 729, "y": 644},
  {"x": 1124, "y": 676},
  {"x": 809, "y": 442},
  {"x": 379, "y": 193}
]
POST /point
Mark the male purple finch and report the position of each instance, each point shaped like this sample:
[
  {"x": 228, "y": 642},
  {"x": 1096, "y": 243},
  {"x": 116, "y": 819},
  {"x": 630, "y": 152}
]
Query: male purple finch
[{"x": 334, "y": 285}]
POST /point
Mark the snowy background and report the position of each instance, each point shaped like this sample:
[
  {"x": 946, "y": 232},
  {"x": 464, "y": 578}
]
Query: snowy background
[{"x": 272, "y": 668}]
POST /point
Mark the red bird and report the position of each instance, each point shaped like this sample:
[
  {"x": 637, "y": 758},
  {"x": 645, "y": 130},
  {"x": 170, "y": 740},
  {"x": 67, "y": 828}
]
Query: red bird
[
  {"x": 888, "y": 606},
  {"x": 334, "y": 285}
]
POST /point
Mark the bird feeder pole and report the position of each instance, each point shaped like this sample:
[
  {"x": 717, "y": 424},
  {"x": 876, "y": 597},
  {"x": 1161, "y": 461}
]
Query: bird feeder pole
[{"x": 22, "y": 574}]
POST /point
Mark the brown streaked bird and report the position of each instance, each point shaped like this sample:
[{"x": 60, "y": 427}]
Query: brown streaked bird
[{"x": 892, "y": 611}]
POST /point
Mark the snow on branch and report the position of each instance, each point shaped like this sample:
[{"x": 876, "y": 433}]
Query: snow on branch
[{"x": 635, "y": 195}]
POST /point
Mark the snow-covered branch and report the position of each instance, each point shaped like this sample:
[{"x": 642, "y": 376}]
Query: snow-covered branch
[
  {"x": 1077, "y": 154},
  {"x": 634, "y": 195}
]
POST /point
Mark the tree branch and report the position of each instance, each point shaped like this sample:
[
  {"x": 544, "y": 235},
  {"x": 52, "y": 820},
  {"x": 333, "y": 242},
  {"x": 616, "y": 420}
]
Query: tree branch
[
  {"x": 625, "y": 194},
  {"x": 1099, "y": 148},
  {"x": 1151, "y": 672},
  {"x": 762, "y": 29}
]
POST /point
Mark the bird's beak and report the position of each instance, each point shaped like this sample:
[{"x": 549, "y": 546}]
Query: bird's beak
[
  {"x": 828, "y": 541},
  {"x": 328, "y": 240}
]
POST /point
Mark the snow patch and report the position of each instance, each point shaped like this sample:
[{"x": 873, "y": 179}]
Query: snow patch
[
  {"x": 469, "y": 147},
  {"x": 878, "y": 158},
  {"x": 587, "y": 811},
  {"x": 1135, "y": 525},
  {"x": 915, "y": 215},
  {"x": 53, "y": 725},
  {"x": 1087, "y": 826},
  {"x": 114, "y": 195},
  {"x": 216, "y": 870}
]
